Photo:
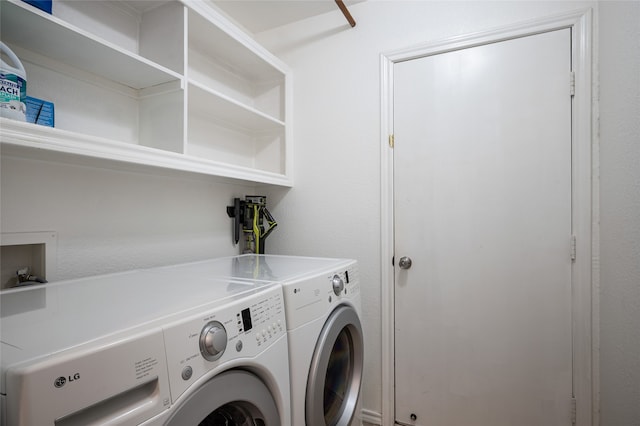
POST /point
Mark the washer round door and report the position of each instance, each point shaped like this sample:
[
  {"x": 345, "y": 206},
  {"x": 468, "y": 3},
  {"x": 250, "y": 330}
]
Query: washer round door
[
  {"x": 233, "y": 398},
  {"x": 335, "y": 376}
]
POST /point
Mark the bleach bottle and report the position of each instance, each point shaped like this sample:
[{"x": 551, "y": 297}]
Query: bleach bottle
[{"x": 13, "y": 86}]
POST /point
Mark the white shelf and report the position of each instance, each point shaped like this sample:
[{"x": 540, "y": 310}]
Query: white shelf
[
  {"x": 39, "y": 142},
  {"x": 233, "y": 49},
  {"x": 158, "y": 83},
  {"x": 78, "y": 48},
  {"x": 227, "y": 110}
]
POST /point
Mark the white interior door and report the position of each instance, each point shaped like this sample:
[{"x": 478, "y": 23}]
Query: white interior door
[{"x": 482, "y": 206}]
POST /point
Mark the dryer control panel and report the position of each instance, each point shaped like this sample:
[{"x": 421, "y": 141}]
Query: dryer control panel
[
  {"x": 309, "y": 299},
  {"x": 240, "y": 329}
]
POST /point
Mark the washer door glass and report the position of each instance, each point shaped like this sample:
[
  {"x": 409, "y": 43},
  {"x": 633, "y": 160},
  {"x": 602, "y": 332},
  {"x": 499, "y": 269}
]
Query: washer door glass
[
  {"x": 232, "y": 398},
  {"x": 237, "y": 413},
  {"x": 335, "y": 375}
]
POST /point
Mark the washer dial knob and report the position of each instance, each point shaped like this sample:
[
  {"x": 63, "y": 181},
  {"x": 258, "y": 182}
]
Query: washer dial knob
[
  {"x": 213, "y": 340},
  {"x": 338, "y": 284}
]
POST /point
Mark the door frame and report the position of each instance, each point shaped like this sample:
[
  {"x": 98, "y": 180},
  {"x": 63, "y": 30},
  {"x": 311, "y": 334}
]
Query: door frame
[{"x": 585, "y": 183}]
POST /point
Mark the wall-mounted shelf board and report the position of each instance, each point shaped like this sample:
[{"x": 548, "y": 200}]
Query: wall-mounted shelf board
[{"x": 44, "y": 143}]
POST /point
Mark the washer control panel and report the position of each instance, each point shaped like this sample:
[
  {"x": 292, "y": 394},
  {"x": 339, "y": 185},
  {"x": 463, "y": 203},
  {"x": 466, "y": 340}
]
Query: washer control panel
[{"x": 241, "y": 328}]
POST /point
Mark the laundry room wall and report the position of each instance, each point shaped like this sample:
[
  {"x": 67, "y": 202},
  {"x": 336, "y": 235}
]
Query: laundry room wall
[
  {"x": 620, "y": 212},
  {"x": 334, "y": 207},
  {"x": 111, "y": 219}
]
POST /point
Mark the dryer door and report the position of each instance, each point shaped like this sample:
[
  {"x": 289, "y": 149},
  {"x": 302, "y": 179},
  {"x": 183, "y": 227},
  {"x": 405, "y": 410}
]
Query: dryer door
[
  {"x": 234, "y": 398},
  {"x": 335, "y": 375}
]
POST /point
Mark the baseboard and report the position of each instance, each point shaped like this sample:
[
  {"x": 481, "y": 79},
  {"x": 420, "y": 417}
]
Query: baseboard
[{"x": 371, "y": 417}]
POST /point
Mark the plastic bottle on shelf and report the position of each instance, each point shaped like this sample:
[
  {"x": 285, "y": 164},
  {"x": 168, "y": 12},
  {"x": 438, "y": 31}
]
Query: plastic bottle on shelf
[{"x": 13, "y": 86}]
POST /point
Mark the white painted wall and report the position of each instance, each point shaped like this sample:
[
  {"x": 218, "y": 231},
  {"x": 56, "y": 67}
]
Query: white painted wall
[
  {"x": 112, "y": 220},
  {"x": 334, "y": 207},
  {"x": 620, "y": 213}
]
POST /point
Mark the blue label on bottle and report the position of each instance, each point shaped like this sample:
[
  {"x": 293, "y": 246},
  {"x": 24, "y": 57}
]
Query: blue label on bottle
[{"x": 12, "y": 88}]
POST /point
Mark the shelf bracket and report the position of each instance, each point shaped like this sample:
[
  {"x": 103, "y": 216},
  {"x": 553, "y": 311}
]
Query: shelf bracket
[{"x": 346, "y": 13}]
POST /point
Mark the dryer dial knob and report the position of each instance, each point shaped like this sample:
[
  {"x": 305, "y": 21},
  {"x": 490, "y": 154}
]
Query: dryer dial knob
[
  {"x": 338, "y": 285},
  {"x": 213, "y": 341}
]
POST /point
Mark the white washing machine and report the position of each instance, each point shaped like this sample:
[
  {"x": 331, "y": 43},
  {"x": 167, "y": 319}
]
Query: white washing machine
[
  {"x": 151, "y": 347},
  {"x": 323, "y": 311}
]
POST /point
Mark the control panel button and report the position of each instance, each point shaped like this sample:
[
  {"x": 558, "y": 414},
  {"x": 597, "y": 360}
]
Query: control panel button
[
  {"x": 213, "y": 341},
  {"x": 187, "y": 372},
  {"x": 338, "y": 284}
]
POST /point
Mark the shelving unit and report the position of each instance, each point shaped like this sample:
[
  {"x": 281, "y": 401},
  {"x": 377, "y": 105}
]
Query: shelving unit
[{"x": 168, "y": 84}]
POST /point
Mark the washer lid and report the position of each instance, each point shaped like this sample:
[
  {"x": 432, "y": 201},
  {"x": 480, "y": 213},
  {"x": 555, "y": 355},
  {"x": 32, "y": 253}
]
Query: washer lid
[
  {"x": 264, "y": 267},
  {"x": 45, "y": 319}
]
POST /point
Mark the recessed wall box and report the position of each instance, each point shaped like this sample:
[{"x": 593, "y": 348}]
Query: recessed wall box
[{"x": 33, "y": 250}]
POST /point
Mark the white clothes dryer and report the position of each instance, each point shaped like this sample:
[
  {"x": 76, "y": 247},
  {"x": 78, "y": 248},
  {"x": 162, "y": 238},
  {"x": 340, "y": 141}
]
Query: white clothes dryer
[
  {"x": 323, "y": 311},
  {"x": 150, "y": 347}
]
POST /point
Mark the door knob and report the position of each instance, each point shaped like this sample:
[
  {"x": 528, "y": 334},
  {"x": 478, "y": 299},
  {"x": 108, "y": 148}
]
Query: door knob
[{"x": 405, "y": 262}]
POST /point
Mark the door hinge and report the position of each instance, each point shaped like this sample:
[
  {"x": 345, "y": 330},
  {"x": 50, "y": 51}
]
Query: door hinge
[
  {"x": 574, "y": 411},
  {"x": 391, "y": 141},
  {"x": 572, "y": 83},
  {"x": 573, "y": 248}
]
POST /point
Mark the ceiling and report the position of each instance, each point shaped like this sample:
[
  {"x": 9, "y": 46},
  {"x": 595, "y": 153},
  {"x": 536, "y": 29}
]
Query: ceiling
[{"x": 262, "y": 15}]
